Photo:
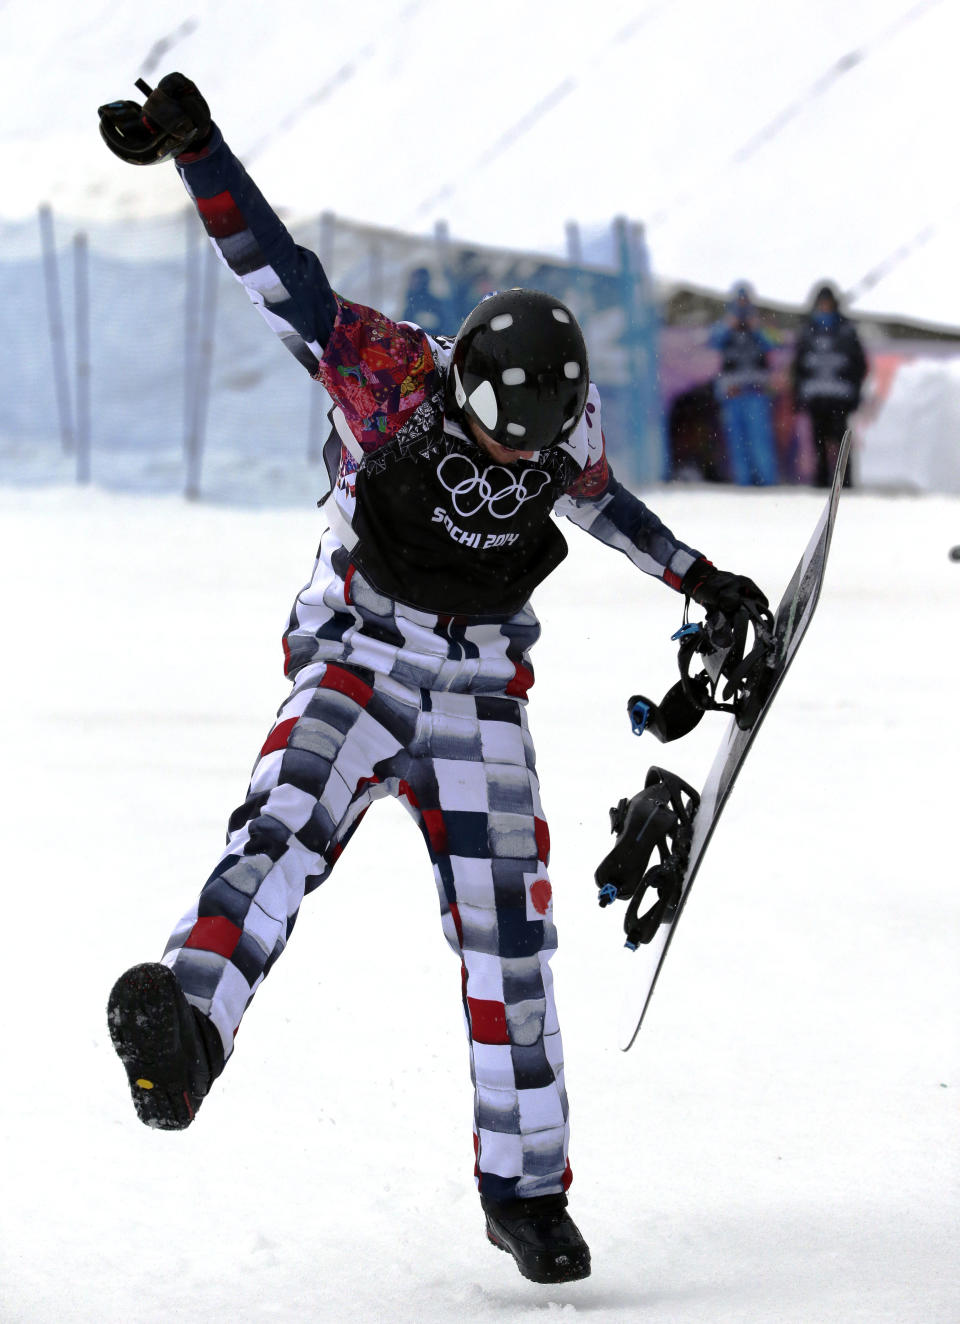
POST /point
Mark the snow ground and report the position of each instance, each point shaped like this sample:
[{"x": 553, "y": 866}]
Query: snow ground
[{"x": 781, "y": 1144}]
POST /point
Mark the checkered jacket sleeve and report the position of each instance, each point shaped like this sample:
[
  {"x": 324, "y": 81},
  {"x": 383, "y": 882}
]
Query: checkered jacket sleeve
[
  {"x": 377, "y": 370},
  {"x": 597, "y": 502},
  {"x": 621, "y": 520}
]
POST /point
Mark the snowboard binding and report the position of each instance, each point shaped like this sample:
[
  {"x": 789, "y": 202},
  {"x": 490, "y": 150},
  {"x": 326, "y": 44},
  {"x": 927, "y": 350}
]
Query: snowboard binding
[
  {"x": 738, "y": 672},
  {"x": 738, "y": 669},
  {"x": 659, "y": 818}
]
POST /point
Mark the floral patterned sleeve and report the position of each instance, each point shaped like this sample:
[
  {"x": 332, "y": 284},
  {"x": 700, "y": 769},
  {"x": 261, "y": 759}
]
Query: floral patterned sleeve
[{"x": 378, "y": 371}]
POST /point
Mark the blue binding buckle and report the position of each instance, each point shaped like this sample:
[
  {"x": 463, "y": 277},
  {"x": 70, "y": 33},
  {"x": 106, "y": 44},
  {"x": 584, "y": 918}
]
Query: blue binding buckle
[
  {"x": 607, "y": 894},
  {"x": 693, "y": 627},
  {"x": 639, "y": 717}
]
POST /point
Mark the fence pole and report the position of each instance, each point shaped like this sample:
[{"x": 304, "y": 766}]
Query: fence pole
[
  {"x": 658, "y": 448},
  {"x": 81, "y": 309},
  {"x": 204, "y": 363},
  {"x": 641, "y": 355},
  {"x": 61, "y": 378},
  {"x": 575, "y": 267},
  {"x": 328, "y": 229}
]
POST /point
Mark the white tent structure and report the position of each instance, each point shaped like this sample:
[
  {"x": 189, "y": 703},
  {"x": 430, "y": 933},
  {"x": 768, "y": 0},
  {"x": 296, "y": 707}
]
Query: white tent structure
[{"x": 913, "y": 443}]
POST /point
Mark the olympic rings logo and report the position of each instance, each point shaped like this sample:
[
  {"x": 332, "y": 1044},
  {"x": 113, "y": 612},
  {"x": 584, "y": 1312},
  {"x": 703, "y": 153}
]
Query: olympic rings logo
[{"x": 496, "y": 488}]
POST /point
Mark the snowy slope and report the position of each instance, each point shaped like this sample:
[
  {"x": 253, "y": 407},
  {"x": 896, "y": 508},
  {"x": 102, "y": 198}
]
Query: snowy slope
[
  {"x": 780, "y": 1145},
  {"x": 783, "y": 143}
]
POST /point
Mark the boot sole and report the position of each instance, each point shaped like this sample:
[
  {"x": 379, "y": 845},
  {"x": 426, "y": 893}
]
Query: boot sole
[
  {"x": 143, "y": 1015},
  {"x": 577, "y": 1267}
]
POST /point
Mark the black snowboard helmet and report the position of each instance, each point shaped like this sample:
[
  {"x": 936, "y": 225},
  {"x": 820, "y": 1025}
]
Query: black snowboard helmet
[{"x": 519, "y": 370}]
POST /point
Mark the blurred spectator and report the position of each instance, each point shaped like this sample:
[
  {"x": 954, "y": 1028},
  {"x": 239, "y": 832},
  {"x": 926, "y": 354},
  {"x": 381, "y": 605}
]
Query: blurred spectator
[
  {"x": 424, "y": 307},
  {"x": 743, "y": 391},
  {"x": 829, "y": 366}
]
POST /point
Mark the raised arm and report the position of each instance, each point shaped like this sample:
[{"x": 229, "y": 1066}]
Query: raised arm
[
  {"x": 286, "y": 282},
  {"x": 375, "y": 369}
]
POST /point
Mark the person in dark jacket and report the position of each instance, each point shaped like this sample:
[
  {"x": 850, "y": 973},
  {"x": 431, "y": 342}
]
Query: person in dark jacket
[
  {"x": 828, "y": 370},
  {"x": 408, "y": 656},
  {"x": 743, "y": 391}
]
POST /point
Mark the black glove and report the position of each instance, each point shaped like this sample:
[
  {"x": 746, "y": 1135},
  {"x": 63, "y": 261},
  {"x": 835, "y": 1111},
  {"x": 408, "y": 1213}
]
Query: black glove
[
  {"x": 173, "y": 119},
  {"x": 727, "y": 593}
]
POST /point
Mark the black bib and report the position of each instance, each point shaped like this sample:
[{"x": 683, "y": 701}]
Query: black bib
[{"x": 443, "y": 527}]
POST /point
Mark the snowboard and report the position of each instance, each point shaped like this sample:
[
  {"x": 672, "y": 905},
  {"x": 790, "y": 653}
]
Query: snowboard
[{"x": 681, "y": 821}]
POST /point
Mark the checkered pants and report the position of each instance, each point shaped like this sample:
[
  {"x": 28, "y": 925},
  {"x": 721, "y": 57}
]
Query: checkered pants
[{"x": 463, "y": 765}]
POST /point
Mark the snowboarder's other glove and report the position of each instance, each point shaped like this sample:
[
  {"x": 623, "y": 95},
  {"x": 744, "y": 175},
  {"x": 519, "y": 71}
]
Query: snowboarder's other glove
[
  {"x": 727, "y": 593},
  {"x": 173, "y": 119}
]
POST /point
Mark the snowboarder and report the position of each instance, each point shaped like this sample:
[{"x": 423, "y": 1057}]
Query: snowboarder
[
  {"x": 827, "y": 374},
  {"x": 408, "y": 653}
]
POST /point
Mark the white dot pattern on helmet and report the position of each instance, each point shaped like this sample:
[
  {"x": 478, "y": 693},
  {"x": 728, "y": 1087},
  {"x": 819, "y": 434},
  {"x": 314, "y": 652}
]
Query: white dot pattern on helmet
[
  {"x": 483, "y": 402},
  {"x": 571, "y": 370},
  {"x": 516, "y": 429},
  {"x": 513, "y": 376},
  {"x": 459, "y": 393},
  {"x": 501, "y": 321},
  {"x": 560, "y": 314},
  {"x": 569, "y": 424}
]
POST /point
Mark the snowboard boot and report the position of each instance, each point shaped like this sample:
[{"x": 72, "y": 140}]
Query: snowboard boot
[
  {"x": 172, "y": 1052},
  {"x": 541, "y": 1236}
]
